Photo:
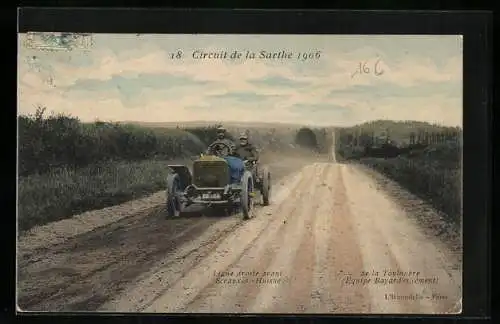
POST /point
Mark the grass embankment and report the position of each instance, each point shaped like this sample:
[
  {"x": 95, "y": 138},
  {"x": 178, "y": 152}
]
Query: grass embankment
[
  {"x": 63, "y": 192},
  {"x": 67, "y": 167},
  {"x": 432, "y": 172}
]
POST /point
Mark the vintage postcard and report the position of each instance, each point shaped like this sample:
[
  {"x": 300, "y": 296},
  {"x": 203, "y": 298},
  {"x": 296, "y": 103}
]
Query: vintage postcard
[{"x": 170, "y": 173}]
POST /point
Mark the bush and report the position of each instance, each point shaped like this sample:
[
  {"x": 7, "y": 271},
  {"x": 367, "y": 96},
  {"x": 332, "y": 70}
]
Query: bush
[
  {"x": 62, "y": 141},
  {"x": 319, "y": 139}
]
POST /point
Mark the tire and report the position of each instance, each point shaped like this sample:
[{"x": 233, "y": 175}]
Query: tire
[
  {"x": 245, "y": 197},
  {"x": 266, "y": 187},
  {"x": 174, "y": 204}
]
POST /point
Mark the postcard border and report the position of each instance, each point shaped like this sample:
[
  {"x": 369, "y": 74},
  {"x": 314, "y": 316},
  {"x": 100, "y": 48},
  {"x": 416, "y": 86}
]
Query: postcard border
[{"x": 476, "y": 26}]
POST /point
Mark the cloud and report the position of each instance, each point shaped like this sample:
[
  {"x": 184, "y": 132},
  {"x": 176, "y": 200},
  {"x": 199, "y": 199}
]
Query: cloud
[
  {"x": 132, "y": 89},
  {"x": 386, "y": 89},
  {"x": 331, "y": 108},
  {"x": 135, "y": 78},
  {"x": 139, "y": 81},
  {"x": 245, "y": 96},
  {"x": 278, "y": 81},
  {"x": 323, "y": 114}
]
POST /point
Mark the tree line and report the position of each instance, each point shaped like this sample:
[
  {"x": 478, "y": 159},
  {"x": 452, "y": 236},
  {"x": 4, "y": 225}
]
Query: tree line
[{"x": 46, "y": 142}]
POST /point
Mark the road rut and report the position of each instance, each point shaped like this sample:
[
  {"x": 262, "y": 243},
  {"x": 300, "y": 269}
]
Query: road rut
[
  {"x": 329, "y": 243},
  {"x": 332, "y": 241}
]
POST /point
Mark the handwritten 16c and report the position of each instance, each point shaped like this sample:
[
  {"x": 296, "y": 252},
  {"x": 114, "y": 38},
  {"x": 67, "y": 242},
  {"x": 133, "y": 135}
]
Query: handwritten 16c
[{"x": 364, "y": 69}]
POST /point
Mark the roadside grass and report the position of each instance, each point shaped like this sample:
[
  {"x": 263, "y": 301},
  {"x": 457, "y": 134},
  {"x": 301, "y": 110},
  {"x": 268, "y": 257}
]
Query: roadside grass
[
  {"x": 434, "y": 175},
  {"x": 62, "y": 193},
  {"x": 431, "y": 171}
]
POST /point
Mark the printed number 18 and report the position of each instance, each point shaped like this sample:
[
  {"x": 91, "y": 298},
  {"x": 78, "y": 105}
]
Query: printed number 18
[{"x": 177, "y": 55}]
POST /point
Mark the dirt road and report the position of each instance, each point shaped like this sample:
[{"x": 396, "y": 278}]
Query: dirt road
[{"x": 333, "y": 240}]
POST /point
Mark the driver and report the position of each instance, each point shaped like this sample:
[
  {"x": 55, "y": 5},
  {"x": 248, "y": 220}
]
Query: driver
[
  {"x": 221, "y": 138},
  {"x": 245, "y": 150}
]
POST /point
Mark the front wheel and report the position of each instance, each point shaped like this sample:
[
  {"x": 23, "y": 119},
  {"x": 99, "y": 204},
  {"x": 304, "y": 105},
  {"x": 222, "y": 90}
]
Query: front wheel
[
  {"x": 174, "y": 193},
  {"x": 246, "y": 196}
]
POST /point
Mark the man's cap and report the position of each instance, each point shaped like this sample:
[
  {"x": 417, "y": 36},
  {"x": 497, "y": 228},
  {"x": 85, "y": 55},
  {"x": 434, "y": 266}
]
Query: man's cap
[{"x": 243, "y": 136}]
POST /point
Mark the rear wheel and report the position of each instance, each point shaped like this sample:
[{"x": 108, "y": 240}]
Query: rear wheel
[
  {"x": 246, "y": 196},
  {"x": 174, "y": 193},
  {"x": 266, "y": 186}
]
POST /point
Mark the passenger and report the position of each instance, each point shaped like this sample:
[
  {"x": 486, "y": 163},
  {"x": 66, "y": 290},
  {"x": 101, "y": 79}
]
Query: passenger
[{"x": 246, "y": 150}]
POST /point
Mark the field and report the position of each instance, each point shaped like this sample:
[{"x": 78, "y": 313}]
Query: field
[
  {"x": 67, "y": 167},
  {"x": 423, "y": 158}
]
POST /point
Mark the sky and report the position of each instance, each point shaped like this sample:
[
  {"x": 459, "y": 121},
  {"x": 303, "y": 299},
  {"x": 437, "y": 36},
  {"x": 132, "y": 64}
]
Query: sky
[{"x": 130, "y": 77}]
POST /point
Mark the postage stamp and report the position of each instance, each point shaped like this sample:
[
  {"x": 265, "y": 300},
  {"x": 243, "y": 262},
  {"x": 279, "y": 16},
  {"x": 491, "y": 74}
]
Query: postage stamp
[
  {"x": 240, "y": 173},
  {"x": 57, "y": 41}
]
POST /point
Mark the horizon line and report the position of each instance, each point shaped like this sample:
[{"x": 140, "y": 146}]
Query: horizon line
[{"x": 217, "y": 122}]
